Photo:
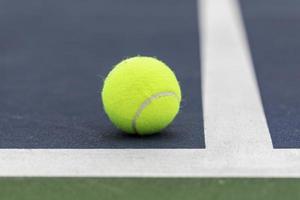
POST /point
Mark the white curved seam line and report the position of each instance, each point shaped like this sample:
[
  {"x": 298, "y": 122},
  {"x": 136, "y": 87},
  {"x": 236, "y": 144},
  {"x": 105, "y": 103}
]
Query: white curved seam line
[{"x": 147, "y": 102}]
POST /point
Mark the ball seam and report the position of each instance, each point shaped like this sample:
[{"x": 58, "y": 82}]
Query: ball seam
[{"x": 148, "y": 102}]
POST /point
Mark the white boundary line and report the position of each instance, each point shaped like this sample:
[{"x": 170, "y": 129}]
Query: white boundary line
[
  {"x": 233, "y": 115},
  {"x": 237, "y": 137}
]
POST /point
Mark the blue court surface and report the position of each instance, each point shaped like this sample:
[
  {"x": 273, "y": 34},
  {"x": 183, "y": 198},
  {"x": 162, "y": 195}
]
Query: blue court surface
[{"x": 237, "y": 62}]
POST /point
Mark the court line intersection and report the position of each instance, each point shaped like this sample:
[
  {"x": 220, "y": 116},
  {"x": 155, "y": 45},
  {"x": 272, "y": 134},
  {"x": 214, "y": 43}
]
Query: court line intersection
[{"x": 237, "y": 138}]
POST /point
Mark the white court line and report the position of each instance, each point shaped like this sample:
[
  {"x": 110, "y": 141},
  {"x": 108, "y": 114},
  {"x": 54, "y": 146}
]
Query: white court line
[
  {"x": 233, "y": 116},
  {"x": 237, "y": 137}
]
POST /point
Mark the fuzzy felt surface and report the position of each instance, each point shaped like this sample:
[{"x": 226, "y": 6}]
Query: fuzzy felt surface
[{"x": 131, "y": 83}]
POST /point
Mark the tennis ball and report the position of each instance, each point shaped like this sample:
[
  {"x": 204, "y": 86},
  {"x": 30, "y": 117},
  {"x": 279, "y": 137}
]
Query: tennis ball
[{"x": 141, "y": 95}]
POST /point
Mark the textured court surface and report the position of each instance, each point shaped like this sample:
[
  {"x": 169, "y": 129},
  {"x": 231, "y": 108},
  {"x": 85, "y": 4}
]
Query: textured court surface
[
  {"x": 239, "y": 68},
  {"x": 148, "y": 189},
  {"x": 55, "y": 55},
  {"x": 273, "y": 32}
]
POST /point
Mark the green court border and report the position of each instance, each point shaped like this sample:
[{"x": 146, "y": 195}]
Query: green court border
[{"x": 149, "y": 188}]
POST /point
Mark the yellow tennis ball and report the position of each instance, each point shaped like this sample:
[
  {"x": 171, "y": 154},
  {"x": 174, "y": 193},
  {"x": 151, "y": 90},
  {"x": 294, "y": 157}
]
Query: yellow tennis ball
[{"x": 141, "y": 95}]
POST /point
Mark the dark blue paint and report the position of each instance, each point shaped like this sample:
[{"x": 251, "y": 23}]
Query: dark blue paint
[
  {"x": 273, "y": 28},
  {"x": 55, "y": 54}
]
